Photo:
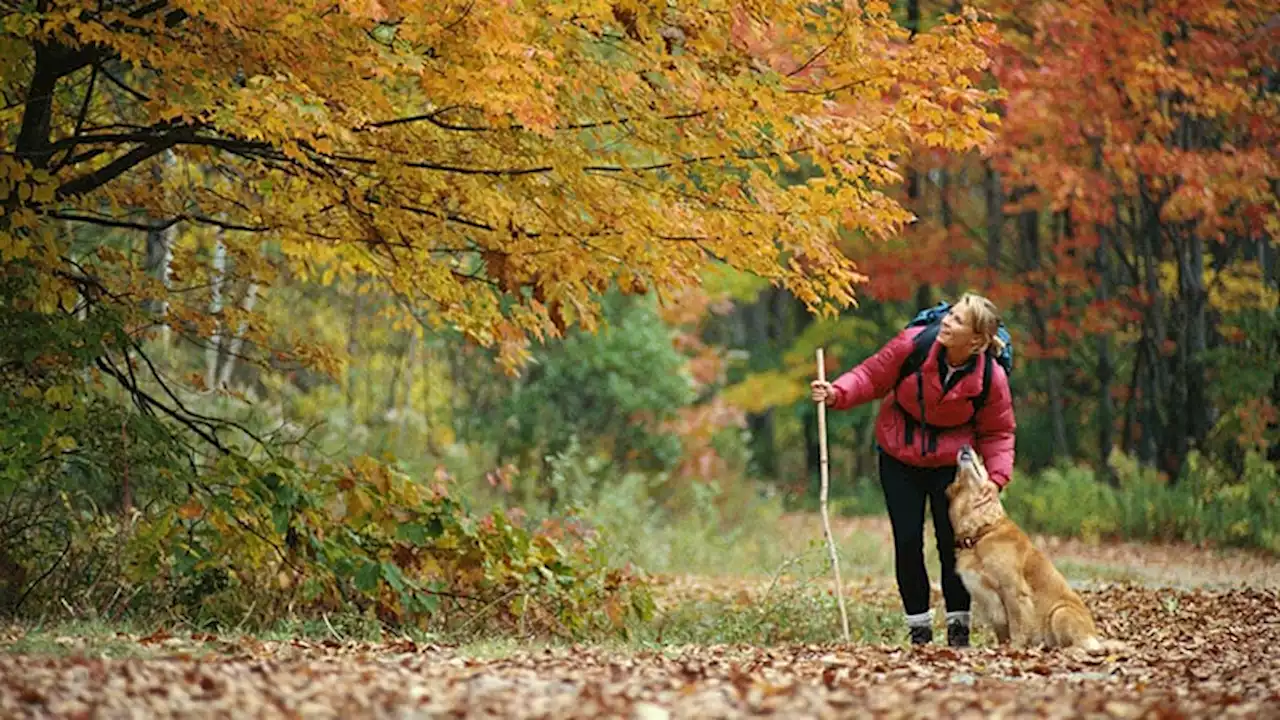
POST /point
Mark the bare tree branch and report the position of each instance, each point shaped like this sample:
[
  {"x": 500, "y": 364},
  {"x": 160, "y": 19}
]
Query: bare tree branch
[
  {"x": 97, "y": 178},
  {"x": 161, "y": 225},
  {"x": 434, "y": 119},
  {"x": 122, "y": 84}
]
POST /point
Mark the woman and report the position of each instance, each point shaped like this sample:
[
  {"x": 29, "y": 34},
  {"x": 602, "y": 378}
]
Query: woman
[{"x": 929, "y": 413}]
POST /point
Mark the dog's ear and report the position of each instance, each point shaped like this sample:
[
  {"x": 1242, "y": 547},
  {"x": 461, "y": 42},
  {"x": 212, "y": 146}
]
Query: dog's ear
[{"x": 950, "y": 490}]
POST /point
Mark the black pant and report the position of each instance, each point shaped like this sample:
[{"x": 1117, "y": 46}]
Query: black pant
[{"x": 905, "y": 490}]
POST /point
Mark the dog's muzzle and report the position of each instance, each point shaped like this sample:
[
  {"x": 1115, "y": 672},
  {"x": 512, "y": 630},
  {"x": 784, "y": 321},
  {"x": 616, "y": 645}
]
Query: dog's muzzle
[{"x": 965, "y": 456}]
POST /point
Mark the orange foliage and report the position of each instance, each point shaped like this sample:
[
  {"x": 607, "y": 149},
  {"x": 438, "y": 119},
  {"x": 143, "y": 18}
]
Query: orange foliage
[{"x": 494, "y": 165}]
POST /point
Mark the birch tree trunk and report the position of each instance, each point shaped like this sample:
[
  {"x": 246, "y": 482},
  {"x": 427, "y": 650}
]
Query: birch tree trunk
[
  {"x": 159, "y": 256},
  {"x": 215, "y": 309},
  {"x": 236, "y": 345}
]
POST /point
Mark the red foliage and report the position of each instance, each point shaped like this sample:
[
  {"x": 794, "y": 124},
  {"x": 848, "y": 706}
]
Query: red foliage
[
  {"x": 697, "y": 425},
  {"x": 1104, "y": 102}
]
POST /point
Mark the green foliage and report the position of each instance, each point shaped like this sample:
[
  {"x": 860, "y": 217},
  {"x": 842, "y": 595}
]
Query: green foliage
[
  {"x": 863, "y": 496},
  {"x": 258, "y": 540},
  {"x": 61, "y": 522},
  {"x": 68, "y": 453},
  {"x": 1245, "y": 368},
  {"x": 1209, "y": 504},
  {"x": 364, "y": 535},
  {"x": 612, "y": 390},
  {"x": 1245, "y": 386},
  {"x": 729, "y": 529},
  {"x": 113, "y": 513},
  {"x": 739, "y": 286},
  {"x": 663, "y": 525}
]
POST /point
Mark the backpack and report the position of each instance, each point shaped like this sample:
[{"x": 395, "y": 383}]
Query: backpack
[{"x": 931, "y": 320}]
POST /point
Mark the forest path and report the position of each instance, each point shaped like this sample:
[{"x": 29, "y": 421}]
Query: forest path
[{"x": 1200, "y": 628}]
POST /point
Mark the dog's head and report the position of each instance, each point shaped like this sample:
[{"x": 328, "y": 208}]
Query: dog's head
[
  {"x": 970, "y": 470},
  {"x": 964, "y": 494}
]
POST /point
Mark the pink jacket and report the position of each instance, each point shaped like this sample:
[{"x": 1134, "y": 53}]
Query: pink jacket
[{"x": 930, "y": 433}]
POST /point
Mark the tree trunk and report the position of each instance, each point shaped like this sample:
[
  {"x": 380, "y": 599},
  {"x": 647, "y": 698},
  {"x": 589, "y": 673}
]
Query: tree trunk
[
  {"x": 1106, "y": 369},
  {"x": 157, "y": 264},
  {"x": 924, "y": 295},
  {"x": 1267, "y": 256},
  {"x": 353, "y": 328},
  {"x": 1273, "y": 452},
  {"x": 159, "y": 256},
  {"x": 32, "y": 144},
  {"x": 812, "y": 452},
  {"x": 1029, "y": 227},
  {"x": 951, "y": 288},
  {"x": 760, "y": 334},
  {"x": 393, "y": 387},
  {"x": 1195, "y": 413},
  {"x": 237, "y": 339},
  {"x": 211, "y": 351},
  {"x": 404, "y": 404},
  {"x": 429, "y": 356},
  {"x": 1153, "y": 336},
  {"x": 1131, "y": 405},
  {"x": 995, "y": 221}
]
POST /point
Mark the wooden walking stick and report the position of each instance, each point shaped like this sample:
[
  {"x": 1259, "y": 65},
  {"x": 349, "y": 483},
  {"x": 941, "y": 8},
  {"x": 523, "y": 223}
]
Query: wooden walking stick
[{"x": 826, "y": 521}]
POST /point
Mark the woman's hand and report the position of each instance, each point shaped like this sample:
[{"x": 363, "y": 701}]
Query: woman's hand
[
  {"x": 990, "y": 491},
  {"x": 822, "y": 392}
]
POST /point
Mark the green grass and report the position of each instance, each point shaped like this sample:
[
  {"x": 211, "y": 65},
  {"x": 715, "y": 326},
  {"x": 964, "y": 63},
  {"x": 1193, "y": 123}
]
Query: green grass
[
  {"x": 1084, "y": 572},
  {"x": 792, "y": 617},
  {"x": 87, "y": 638}
]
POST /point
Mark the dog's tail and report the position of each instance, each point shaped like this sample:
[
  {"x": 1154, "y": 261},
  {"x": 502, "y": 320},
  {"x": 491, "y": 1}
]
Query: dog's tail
[
  {"x": 1072, "y": 625},
  {"x": 1095, "y": 644}
]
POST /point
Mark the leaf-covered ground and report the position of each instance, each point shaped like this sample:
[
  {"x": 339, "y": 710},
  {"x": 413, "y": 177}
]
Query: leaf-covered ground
[{"x": 1195, "y": 649}]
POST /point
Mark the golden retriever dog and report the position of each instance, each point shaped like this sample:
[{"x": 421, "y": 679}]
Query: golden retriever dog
[{"x": 1013, "y": 585}]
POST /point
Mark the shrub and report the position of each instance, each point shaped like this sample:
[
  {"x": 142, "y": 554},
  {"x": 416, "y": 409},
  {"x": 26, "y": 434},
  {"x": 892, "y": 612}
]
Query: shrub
[
  {"x": 68, "y": 453},
  {"x": 260, "y": 540},
  {"x": 666, "y": 525},
  {"x": 1208, "y": 505},
  {"x": 612, "y": 390}
]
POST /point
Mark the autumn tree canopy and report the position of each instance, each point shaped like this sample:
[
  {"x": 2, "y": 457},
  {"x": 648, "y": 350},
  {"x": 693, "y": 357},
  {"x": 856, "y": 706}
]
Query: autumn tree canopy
[
  {"x": 494, "y": 164},
  {"x": 1124, "y": 220}
]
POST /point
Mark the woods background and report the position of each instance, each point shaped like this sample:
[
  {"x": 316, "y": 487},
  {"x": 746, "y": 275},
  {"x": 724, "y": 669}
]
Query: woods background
[{"x": 351, "y": 306}]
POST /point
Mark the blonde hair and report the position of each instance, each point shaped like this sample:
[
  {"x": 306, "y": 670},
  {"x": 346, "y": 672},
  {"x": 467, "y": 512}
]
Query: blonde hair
[{"x": 981, "y": 314}]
